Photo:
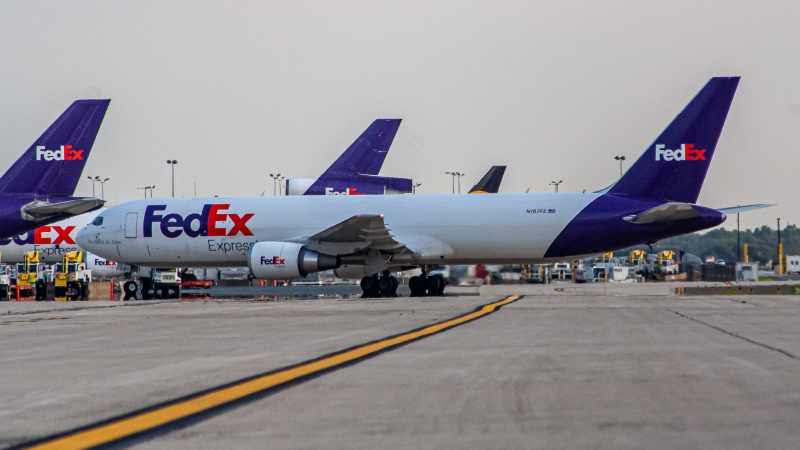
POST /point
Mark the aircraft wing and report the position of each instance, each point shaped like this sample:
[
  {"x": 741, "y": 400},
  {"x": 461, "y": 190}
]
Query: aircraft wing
[
  {"x": 354, "y": 235},
  {"x": 668, "y": 212},
  {"x": 41, "y": 210},
  {"x": 738, "y": 209}
]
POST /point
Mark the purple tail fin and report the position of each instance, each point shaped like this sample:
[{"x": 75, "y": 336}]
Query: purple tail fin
[
  {"x": 54, "y": 163},
  {"x": 674, "y": 166},
  {"x": 365, "y": 156}
]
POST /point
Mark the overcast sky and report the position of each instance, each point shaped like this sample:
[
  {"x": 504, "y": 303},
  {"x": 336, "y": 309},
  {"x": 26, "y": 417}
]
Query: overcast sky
[{"x": 237, "y": 90}]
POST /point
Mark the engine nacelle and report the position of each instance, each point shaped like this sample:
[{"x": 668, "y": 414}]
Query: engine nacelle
[
  {"x": 352, "y": 271},
  {"x": 287, "y": 260}
]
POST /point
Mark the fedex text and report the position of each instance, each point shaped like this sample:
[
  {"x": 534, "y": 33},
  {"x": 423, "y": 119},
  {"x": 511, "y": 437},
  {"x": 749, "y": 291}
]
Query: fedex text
[
  {"x": 209, "y": 222},
  {"x": 65, "y": 153},
  {"x": 274, "y": 261},
  {"x": 687, "y": 152}
]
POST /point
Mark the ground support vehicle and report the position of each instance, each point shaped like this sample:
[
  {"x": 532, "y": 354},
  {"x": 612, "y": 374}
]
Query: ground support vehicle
[
  {"x": 28, "y": 285},
  {"x": 71, "y": 278},
  {"x": 155, "y": 283}
]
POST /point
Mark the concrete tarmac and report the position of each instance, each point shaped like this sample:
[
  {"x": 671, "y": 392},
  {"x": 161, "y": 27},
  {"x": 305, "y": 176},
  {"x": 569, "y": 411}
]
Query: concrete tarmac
[{"x": 608, "y": 366}]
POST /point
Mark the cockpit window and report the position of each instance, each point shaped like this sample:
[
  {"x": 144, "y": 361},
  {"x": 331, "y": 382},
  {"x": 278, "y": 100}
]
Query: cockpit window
[{"x": 98, "y": 221}]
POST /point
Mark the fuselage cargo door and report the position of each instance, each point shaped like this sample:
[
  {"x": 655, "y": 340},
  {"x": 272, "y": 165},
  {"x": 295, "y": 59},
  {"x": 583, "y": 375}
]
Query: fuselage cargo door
[{"x": 131, "y": 221}]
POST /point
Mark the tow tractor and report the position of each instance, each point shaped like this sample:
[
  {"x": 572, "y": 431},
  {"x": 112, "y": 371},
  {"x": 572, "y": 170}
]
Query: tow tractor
[
  {"x": 72, "y": 278},
  {"x": 665, "y": 265},
  {"x": 156, "y": 283},
  {"x": 27, "y": 278},
  {"x": 637, "y": 260}
]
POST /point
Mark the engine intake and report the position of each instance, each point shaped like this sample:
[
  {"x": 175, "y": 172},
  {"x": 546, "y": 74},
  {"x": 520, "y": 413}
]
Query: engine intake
[{"x": 287, "y": 260}]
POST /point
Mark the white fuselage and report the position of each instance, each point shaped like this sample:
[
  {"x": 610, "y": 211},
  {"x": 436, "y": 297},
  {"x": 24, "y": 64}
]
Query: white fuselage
[
  {"x": 52, "y": 241},
  {"x": 442, "y": 229}
]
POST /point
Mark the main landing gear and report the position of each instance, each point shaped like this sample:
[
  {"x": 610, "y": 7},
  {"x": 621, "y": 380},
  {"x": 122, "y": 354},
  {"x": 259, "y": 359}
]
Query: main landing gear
[
  {"x": 424, "y": 285},
  {"x": 379, "y": 286},
  {"x": 386, "y": 285}
]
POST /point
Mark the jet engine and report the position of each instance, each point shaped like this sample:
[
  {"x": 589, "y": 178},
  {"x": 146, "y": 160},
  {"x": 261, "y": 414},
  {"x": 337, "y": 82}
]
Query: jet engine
[{"x": 287, "y": 260}]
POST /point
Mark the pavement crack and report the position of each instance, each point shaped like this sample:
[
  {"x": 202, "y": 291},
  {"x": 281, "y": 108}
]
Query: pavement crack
[{"x": 730, "y": 333}]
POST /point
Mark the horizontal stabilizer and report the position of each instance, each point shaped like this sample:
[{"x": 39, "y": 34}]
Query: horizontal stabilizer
[
  {"x": 41, "y": 210},
  {"x": 668, "y": 212},
  {"x": 739, "y": 209}
]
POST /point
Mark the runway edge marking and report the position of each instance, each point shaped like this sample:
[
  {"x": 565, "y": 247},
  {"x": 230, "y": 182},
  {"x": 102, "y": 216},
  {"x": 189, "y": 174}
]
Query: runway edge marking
[{"x": 193, "y": 407}]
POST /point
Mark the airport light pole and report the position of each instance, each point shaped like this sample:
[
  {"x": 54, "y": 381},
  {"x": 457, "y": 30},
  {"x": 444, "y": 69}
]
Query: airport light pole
[
  {"x": 414, "y": 187},
  {"x": 145, "y": 190},
  {"x": 280, "y": 185},
  {"x": 454, "y": 175},
  {"x": 172, "y": 163},
  {"x": 274, "y": 184},
  {"x": 556, "y": 183},
  {"x": 620, "y": 159},
  {"x": 93, "y": 180},
  {"x": 102, "y": 187}
]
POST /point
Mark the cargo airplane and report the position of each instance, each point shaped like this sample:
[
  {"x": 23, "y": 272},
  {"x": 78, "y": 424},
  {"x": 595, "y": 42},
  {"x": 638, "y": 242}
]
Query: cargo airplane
[
  {"x": 369, "y": 237},
  {"x": 38, "y": 188}
]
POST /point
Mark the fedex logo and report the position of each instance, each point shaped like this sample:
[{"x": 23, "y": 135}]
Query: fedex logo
[
  {"x": 274, "y": 261},
  {"x": 348, "y": 191},
  {"x": 206, "y": 223},
  {"x": 687, "y": 152},
  {"x": 65, "y": 153},
  {"x": 104, "y": 262},
  {"x": 44, "y": 236}
]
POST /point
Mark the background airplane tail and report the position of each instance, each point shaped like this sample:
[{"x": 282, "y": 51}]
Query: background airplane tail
[
  {"x": 674, "y": 167},
  {"x": 365, "y": 156},
  {"x": 54, "y": 163},
  {"x": 490, "y": 182}
]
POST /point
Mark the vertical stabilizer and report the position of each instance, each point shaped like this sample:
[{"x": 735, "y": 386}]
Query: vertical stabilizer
[
  {"x": 54, "y": 163},
  {"x": 365, "y": 156},
  {"x": 674, "y": 167}
]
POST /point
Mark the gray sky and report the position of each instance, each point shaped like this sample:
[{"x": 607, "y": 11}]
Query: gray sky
[{"x": 236, "y": 90}]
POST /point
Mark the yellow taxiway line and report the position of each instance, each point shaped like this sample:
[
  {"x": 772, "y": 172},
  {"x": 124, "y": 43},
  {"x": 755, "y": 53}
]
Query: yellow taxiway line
[{"x": 158, "y": 416}]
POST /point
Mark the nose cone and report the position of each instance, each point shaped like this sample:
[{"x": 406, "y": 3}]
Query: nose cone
[
  {"x": 88, "y": 237},
  {"x": 82, "y": 238}
]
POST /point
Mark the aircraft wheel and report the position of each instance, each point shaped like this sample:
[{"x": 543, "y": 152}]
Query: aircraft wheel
[
  {"x": 417, "y": 286},
  {"x": 442, "y": 284},
  {"x": 433, "y": 284},
  {"x": 395, "y": 285},
  {"x": 370, "y": 286},
  {"x": 385, "y": 286},
  {"x": 146, "y": 284},
  {"x": 130, "y": 288}
]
